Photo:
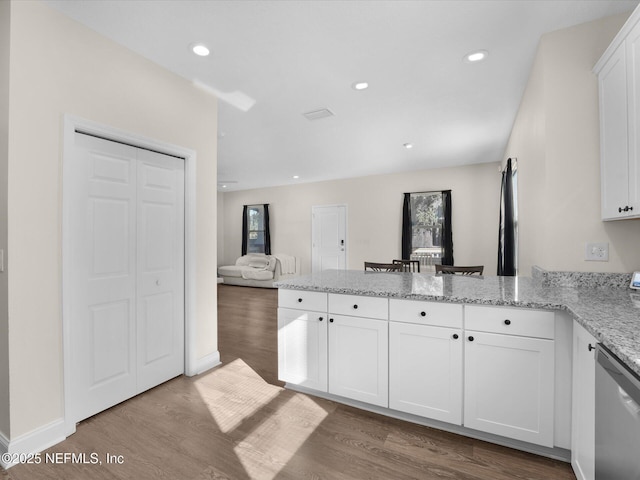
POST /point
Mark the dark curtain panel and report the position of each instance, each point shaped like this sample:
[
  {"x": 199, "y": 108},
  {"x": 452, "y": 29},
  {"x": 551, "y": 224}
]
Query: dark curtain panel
[
  {"x": 406, "y": 227},
  {"x": 245, "y": 230},
  {"x": 267, "y": 231},
  {"x": 507, "y": 227},
  {"x": 447, "y": 233}
]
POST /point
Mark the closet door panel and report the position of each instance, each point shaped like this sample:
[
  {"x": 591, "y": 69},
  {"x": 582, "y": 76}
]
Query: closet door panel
[
  {"x": 160, "y": 296},
  {"x": 103, "y": 280}
]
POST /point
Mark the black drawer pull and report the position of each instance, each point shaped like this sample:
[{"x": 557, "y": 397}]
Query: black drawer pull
[
  {"x": 320, "y": 318},
  {"x": 470, "y": 338},
  {"x": 355, "y": 307},
  {"x": 331, "y": 320},
  {"x": 423, "y": 314},
  {"x": 507, "y": 322},
  {"x": 299, "y": 300},
  {"x": 591, "y": 347},
  {"x": 455, "y": 336}
]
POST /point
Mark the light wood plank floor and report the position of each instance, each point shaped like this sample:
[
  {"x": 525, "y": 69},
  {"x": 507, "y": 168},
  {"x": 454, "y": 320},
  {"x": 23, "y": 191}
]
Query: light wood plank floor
[{"x": 236, "y": 422}]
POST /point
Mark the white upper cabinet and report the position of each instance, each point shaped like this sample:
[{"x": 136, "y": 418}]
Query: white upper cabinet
[{"x": 619, "y": 89}]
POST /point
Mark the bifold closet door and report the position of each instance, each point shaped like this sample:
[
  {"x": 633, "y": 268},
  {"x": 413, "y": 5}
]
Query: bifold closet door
[{"x": 126, "y": 231}]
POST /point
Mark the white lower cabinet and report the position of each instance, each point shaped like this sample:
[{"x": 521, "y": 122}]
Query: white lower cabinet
[
  {"x": 583, "y": 404},
  {"x": 509, "y": 386},
  {"x": 359, "y": 359},
  {"x": 425, "y": 371},
  {"x": 302, "y": 348}
]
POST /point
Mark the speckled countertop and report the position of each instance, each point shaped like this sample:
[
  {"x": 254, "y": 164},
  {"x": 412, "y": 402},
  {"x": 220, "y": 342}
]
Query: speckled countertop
[{"x": 612, "y": 315}]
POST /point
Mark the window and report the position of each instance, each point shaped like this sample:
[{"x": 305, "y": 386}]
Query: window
[
  {"x": 255, "y": 226},
  {"x": 426, "y": 231}
]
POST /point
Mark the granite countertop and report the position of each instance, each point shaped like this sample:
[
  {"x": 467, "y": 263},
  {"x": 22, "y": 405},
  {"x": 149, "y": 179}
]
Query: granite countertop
[{"x": 611, "y": 314}]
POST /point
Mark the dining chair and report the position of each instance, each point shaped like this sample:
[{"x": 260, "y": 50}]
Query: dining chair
[
  {"x": 383, "y": 267},
  {"x": 409, "y": 265},
  {"x": 450, "y": 269}
]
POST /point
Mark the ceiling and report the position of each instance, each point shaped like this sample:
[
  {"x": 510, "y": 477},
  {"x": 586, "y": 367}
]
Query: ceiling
[{"x": 272, "y": 61}]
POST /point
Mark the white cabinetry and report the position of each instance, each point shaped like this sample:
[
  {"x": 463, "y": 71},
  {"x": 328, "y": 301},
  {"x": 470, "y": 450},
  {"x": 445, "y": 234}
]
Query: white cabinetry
[
  {"x": 359, "y": 348},
  {"x": 425, "y": 359},
  {"x": 619, "y": 91},
  {"x": 583, "y": 409},
  {"x": 302, "y": 339},
  {"x": 509, "y": 378}
]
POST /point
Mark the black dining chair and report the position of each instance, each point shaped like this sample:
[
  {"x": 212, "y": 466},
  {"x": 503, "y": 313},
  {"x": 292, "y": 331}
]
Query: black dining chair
[
  {"x": 382, "y": 267},
  {"x": 452, "y": 270},
  {"x": 409, "y": 265}
]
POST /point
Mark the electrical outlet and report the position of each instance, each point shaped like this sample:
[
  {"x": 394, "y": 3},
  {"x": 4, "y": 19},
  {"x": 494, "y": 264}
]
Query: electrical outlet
[{"x": 597, "y": 252}]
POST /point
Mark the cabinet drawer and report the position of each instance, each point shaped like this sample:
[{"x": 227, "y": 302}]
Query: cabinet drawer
[
  {"x": 302, "y": 300},
  {"x": 425, "y": 313},
  {"x": 359, "y": 306},
  {"x": 511, "y": 321}
]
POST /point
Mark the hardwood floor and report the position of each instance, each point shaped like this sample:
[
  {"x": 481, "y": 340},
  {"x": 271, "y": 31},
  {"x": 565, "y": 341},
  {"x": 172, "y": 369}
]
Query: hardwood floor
[{"x": 236, "y": 422}]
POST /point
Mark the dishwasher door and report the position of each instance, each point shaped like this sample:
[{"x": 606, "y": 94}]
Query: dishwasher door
[{"x": 617, "y": 448}]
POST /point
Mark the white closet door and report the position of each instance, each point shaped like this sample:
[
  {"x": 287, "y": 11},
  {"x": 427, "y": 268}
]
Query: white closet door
[
  {"x": 160, "y": 269},
  {"x": 127, "y": 280},
  {"x": 103, "y": 235}
]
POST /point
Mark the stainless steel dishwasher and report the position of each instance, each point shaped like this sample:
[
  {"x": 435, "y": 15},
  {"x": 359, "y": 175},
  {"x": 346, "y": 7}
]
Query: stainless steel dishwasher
[{"x": 617, "y": 452}]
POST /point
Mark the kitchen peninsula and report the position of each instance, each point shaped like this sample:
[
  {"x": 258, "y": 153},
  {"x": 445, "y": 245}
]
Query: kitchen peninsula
[{"x": 488, "y": 357}]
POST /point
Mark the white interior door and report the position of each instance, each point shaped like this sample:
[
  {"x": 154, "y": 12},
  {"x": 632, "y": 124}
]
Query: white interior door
[
  {"x": 126, "y": 230},
  {"x": 328, "y": 237}
]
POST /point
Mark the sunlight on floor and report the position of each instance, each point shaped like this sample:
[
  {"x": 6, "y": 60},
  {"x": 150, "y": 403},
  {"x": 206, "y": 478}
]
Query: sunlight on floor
[{"x": 254, "y": 412}]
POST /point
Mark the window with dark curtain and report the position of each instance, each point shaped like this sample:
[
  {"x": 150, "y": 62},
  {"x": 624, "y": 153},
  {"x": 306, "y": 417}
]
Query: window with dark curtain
[
  {"x": 508, "y": 228},
  {"x": 426, "y": 228},
  {"x": 256, "y": 234}
]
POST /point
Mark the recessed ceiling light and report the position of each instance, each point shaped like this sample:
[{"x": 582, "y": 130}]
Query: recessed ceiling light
[
  {"x": 408, "y": 145},
  {"x": 296, "y": 176},
  {"x": 224, "y": 186},
  {"x": 476, "y": 56},
  {"x": 360, "y": 86},
  {"x": 200, "y": 50}
]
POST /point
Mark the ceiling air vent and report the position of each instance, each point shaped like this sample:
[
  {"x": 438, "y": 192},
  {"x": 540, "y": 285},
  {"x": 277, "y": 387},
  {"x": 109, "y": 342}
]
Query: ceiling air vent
[{"x": 318, "y": 114}]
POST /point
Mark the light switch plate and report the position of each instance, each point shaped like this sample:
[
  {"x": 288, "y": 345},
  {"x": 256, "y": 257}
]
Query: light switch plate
[{"x": 597, "y": 252}]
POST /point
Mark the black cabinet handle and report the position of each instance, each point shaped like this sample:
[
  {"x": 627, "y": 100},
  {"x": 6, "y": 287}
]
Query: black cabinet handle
[
  {"x": 630, "y": 208},
  {"x": 331, "y": 320},
  {"x": 455, "y": 336},
  {"x": 320, "y": 318},
  {"x": 470, "y": 339},
  {"x": 591, "y": 347},
  {"x": 627, "y": 208},
  {"x": 423, "y": 314},
  {"x": 507, "y": 322},
  {"x": 355, "y": 307},
  {"x": 299, "y": 300}
]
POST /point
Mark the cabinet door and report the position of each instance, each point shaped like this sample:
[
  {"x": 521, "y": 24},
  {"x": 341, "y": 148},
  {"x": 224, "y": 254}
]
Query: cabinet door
[
  {"x": 632, "y": 44},
  {"x": 583, "y": 404},
  {"x": 614, "y": 148},
  {"x": 425, "y": 371},
  {"x": 509, "y": 386},
  {"x": 359, "y": 359},
  {"x": 302, "y": 348}
]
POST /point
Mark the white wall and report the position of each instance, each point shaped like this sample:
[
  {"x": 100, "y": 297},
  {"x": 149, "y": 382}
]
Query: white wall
[
  {"x": 58, "y": 66},
  {"x": 4, "y": 152},
  {"x": 556, "y": 139},
  {"x": 374, "y": 214}
]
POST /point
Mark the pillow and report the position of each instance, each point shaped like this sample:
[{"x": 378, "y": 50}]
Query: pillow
[
  {"x": 259, "y": 262},
  {"x": 243, "y": 261}
]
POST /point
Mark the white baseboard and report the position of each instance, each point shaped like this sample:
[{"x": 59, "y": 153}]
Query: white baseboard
[
  {"x": 208, "y": 362},
  {"x": 32, "y": 442}
]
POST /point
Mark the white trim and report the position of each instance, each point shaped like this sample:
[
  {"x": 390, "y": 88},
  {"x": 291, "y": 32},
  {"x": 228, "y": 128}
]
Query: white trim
[
  {"x": 208, "y": 362},
  {"x": 71, "y": 124},
  {"x": 32, "y": 442}
]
